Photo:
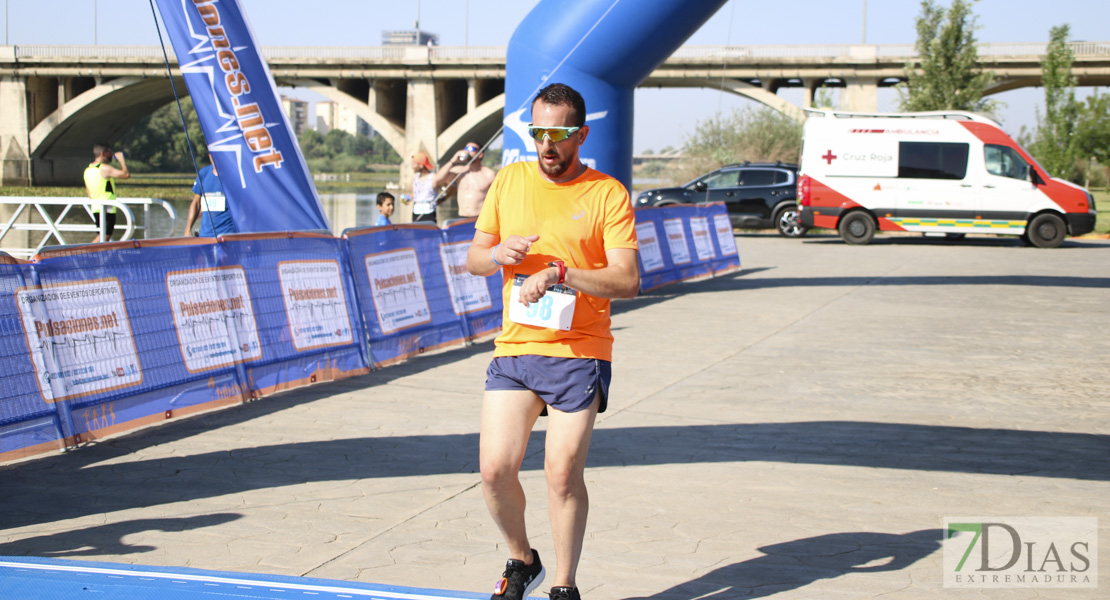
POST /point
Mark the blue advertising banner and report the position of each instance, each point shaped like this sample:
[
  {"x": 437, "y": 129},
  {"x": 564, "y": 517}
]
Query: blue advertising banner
[
  {"x": 28, "y": 424},
  {"x": 727, "y": 257},
  {"x": 298, "y": 321},
  {"x": 478, "y": 298},
  {"x": 264, "y": 176},
  {"x": 684, "y": 242},
  {"x": 403, "y": 292},
  {"x": 104, "y": 338}
]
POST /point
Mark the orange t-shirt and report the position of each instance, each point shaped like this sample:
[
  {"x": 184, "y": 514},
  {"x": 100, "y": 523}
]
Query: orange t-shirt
[{"x": 577, "y": 222}]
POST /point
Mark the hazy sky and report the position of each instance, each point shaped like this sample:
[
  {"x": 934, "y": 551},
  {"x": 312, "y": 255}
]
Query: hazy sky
[{"x": 491, "y": 23}]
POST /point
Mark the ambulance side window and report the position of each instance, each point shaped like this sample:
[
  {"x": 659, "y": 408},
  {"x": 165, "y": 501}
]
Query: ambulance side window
[
  {"x": 932, "y": 160},
  {"x": 1004, "y": 161}
]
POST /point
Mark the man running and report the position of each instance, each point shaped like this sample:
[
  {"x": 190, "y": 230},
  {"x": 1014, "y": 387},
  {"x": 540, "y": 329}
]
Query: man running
[{"x": 550, "y": 225}]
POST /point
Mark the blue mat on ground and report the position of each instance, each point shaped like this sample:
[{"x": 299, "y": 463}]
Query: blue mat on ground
[{"x": 29, "y": 578}]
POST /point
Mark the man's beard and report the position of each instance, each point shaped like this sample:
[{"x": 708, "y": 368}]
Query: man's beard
[{"x": 556, "y": 170}]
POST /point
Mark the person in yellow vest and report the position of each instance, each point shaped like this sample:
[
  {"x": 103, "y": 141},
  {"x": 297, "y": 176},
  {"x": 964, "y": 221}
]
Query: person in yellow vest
[{"x": 100, "y": 184}]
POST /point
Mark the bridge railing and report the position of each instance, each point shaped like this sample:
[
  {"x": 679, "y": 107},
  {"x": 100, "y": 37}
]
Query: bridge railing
[
  {"x": 497, "y": 53},
  {"x": 30, "y": 213}
]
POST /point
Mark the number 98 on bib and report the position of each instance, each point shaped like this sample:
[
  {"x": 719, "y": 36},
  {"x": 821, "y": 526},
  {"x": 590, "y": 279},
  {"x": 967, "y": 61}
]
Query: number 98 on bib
[{"x": 554, "y": 311}]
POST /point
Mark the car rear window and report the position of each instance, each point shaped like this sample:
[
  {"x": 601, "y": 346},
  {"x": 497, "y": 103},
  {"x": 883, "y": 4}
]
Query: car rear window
[{"x": 755, "y": 177}]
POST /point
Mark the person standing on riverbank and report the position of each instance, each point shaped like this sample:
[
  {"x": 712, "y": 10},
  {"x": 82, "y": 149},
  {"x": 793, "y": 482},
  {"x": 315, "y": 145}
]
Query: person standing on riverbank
[
  {"x": 100, "y": 184},
  {"x": 423, "y": 189}
]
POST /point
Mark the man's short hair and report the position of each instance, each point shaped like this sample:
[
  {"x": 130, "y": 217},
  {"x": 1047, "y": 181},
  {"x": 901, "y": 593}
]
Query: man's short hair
[
  {"x": 561, "y": 94},
  {"x": 382, "y": 197},
  {"x": 100, "y": 148}
]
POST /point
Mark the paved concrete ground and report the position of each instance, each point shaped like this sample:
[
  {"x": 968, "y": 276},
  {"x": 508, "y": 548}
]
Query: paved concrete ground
[{"x": 798, "y": 430}]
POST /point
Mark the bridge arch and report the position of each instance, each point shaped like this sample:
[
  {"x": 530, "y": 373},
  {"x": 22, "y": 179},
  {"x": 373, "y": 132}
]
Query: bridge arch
[
  {"x": 733, "y": 86},
  {"x": 390, "y": 132},
  {"x": 480, "y": 125},
  {"x": 61, "y": 144}
]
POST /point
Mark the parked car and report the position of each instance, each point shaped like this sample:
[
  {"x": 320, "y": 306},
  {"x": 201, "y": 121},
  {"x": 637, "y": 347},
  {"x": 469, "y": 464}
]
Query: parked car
[{"x": 758, "y": 195}]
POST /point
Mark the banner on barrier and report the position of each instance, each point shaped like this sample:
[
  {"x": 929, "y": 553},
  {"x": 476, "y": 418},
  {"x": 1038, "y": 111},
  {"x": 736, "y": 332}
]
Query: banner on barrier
[
  {"x": 79, "y": 338},
  {"x": 414, "y": 291},
  {"x": 213, "y": 317},
  {"x": 113, "y": 336},
  {"x": 683, "y": 242}
]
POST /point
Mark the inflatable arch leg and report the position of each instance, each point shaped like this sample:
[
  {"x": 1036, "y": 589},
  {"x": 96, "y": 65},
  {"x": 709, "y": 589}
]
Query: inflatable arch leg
[{"x": 603, "y": 49}]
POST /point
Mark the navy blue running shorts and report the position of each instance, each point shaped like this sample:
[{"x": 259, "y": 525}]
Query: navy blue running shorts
[{"x": 568, "y": 384}]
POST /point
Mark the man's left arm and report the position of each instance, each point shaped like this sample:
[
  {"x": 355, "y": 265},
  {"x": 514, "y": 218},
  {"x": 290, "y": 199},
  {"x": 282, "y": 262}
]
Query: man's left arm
[{"x": 620, "y": 278}]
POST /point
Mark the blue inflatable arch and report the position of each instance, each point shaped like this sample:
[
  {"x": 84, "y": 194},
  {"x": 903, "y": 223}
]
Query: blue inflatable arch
[{"x": 603, "y": 49}]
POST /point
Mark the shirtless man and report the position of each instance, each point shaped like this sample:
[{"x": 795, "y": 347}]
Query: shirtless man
[{"x": 474, "y": 181}]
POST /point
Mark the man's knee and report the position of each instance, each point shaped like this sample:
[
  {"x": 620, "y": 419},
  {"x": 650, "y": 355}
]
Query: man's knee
[
  {"x": 564, "y": 477},
  {"x": 497, "y": 473}
]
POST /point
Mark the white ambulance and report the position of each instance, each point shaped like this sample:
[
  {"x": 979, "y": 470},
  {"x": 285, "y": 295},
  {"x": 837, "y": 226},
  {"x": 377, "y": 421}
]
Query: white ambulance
[{"x": 932, "y": 172}]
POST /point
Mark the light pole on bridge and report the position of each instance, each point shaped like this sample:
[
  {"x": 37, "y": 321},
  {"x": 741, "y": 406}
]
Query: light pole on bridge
[{"x": 863, "y": 36}]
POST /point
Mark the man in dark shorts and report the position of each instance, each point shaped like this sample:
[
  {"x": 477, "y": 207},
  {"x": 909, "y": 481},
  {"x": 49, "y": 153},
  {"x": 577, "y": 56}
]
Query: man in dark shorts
[
  {"x": 100, "y": 184},
  {"x": 555, "y": 348}
]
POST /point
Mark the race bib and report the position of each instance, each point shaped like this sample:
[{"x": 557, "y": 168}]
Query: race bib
[
  {"x": 213, "y": 203},
  {"x": 554, "y": 311}
]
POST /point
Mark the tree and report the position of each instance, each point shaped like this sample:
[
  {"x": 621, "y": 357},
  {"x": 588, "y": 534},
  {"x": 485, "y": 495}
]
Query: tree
[
  {"x": 157, "y": 142},
  {"x": 1092, "y": 139},
  {"x": 1055, "y": 144},
  {"x": 338, "y": 151},
  {"x": 823, "y": 98},
  {"x": 1092, "y": 129},
  {"x": 754, "y": 135},
  {"x": 947, "y": 74}
]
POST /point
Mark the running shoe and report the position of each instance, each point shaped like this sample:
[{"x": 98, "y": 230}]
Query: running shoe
[
  {"x": 564, "y": 593},
  {"x": 519, "y": 579}
]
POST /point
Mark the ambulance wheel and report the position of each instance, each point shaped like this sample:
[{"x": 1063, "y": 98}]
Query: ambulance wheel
[
  {"x": 857, "y": 228},
  {"x": 788, "y": 222},
  {"x": 1047, "y": 231}
]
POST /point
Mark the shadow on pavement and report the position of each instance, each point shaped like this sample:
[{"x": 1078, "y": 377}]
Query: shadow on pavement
[
  {"x": 792, "y": 565},
  {"x": 107, "y": 539},
  {"x": 54, "y": 490},
  {"x": 739, "y": 281},
  {"x": 920, "y": 240}
]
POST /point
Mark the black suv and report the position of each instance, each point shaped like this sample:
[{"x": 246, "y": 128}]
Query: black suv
[{"x": 758, "y": 195}]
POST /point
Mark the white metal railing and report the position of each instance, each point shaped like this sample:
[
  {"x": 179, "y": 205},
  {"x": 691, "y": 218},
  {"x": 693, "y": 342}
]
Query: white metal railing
[
  {"x": 374, "y": 53},
  {"x": 469, "y": 52},
  {"x": 55, "y": 227},
  {"x": 497, "y": 53}
]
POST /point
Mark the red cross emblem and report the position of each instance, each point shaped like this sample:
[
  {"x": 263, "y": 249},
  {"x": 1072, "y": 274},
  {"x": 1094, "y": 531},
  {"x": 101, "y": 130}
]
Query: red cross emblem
[{"x": 829, "y": 157}]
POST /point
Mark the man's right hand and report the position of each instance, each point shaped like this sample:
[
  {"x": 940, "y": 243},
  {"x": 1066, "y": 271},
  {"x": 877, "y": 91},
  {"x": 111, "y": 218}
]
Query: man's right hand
[
  {"x": 514, "y": 248},
  {"x": 119, "y": 156}
]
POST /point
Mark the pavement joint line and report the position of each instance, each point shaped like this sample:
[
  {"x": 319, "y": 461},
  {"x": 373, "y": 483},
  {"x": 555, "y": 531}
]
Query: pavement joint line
[{"x": 382, "y": 532}]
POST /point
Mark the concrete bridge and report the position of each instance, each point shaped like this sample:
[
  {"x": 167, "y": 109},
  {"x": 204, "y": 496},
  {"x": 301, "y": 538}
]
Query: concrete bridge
[{"x": 57, "y": 100}]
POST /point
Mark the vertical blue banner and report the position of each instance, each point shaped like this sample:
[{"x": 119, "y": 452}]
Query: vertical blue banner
[{"x": 249, "y": 138}]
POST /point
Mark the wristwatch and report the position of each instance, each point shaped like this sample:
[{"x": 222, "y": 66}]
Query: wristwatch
[{"x": 562, "y": 270}]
